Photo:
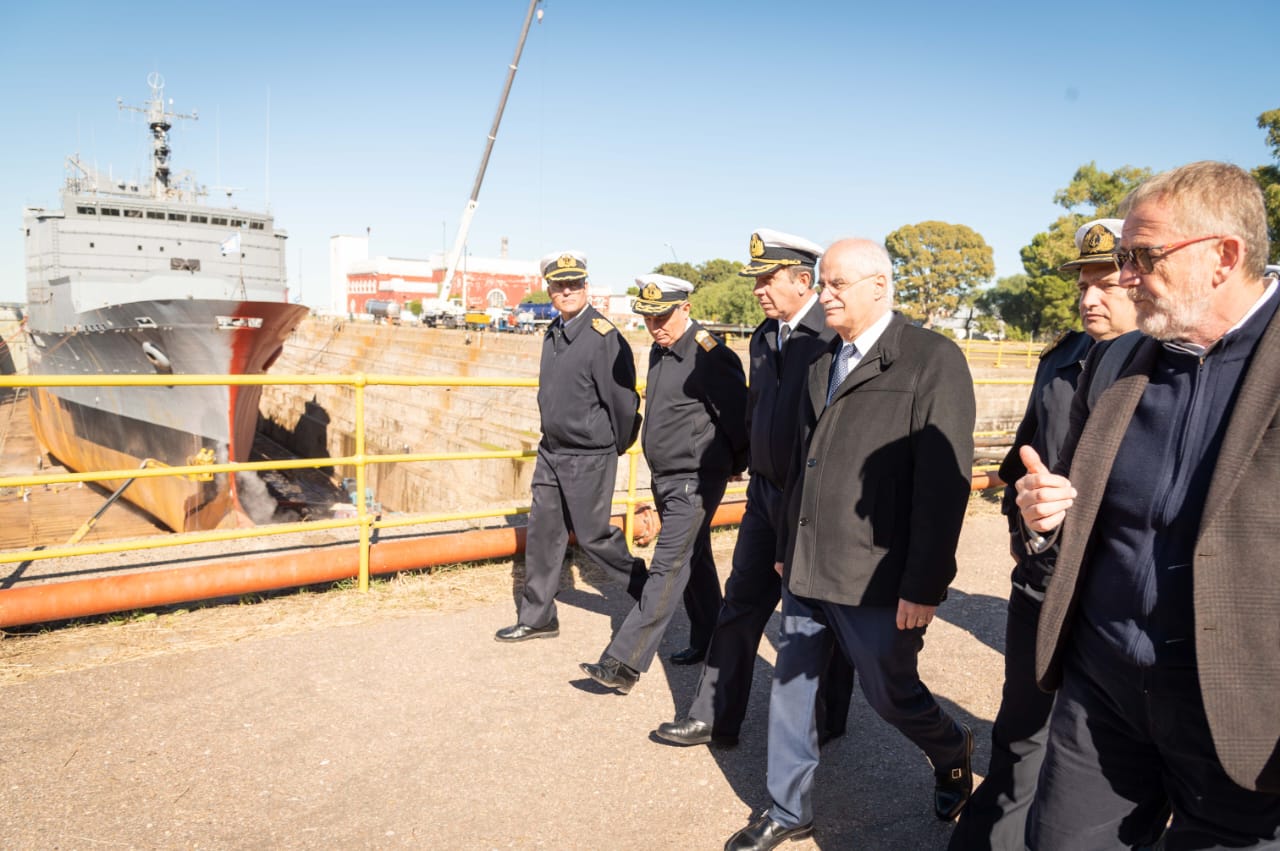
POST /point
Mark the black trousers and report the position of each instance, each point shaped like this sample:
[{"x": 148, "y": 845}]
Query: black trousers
[
  {"x": 570, "y": 492},
  {"x": 750, "y": 596},
  {"x": 1127, "y": 746},
  {"x": 682, "y": 567},
  {"x": 996, "y": 815}
]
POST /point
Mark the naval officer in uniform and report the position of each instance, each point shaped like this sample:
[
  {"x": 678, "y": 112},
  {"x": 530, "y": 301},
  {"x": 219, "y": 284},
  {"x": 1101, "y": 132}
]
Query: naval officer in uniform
[
  {"x": 590, "y": 415},
  {"x": 793, "y": 333},
  {"x": 996, "y": 815},
  {"x": 694, "y": 439}
]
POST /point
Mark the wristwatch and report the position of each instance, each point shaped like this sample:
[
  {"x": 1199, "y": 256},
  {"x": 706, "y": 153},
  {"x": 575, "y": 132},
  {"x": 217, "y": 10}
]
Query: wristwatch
[{"x": 1036, "y": 543}]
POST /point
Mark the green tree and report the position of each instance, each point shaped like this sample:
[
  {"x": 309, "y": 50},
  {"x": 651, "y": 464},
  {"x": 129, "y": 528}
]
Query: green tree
[
  {"x": 937, "y": 266},
  {"x": 684, "y": 271},
  {"x": 414, "y": 306},
  {"x": 1055, "y": 304},
  {"x": 1007, "y": 301},
  {"x": 1101, "y": 190},
  {"x": 1268, "y": 176},
  {"x": 727, "y": 301},
  {"x": 537, "y": 297}
]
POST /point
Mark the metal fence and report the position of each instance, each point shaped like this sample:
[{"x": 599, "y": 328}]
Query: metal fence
[{"x": 364, "y": 520}]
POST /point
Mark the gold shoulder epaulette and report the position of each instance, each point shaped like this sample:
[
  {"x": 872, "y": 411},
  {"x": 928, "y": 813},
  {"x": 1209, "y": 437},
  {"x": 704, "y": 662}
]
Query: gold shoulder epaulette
[
  {"x": 602, "y": 326},
  {"x": 706, "y": 339},
  {"x": 1053, "y": 344}
]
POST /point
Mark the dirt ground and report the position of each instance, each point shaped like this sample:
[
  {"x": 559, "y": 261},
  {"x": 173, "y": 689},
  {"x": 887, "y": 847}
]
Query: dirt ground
[{"x": 393, "y": 720}]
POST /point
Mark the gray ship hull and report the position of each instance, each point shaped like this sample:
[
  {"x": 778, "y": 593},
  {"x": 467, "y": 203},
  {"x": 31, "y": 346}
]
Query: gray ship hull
[{"x": 96, "y": 428}]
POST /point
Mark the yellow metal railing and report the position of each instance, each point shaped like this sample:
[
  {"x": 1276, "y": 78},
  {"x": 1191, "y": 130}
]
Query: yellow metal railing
[
  {"x": 363, "y": 520},
  {"x": 1001, "y": 352}
]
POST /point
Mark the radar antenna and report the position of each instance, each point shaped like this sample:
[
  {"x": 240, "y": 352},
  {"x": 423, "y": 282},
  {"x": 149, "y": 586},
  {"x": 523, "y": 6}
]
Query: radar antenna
[{"x": 160, "y": 119}]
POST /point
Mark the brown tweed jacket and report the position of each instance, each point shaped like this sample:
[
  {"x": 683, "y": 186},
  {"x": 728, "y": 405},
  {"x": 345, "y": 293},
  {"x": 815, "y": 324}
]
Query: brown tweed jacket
[{"x": 1236, "y": 564}]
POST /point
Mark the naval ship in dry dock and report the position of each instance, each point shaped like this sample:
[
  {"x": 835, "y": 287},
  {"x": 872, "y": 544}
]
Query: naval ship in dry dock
[{"x": 144, "y": 279}]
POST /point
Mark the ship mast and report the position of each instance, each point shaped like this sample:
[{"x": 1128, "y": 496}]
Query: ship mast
[
  {"x": 470, "y": 210},
  {"x": 160, "y": 120}
]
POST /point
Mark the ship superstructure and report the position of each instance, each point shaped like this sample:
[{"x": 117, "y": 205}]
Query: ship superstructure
[{"x": 144, "y": 279}]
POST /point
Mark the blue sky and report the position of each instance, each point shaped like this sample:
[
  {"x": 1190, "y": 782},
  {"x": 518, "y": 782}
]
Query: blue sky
[{"x": 635, "y": 131}]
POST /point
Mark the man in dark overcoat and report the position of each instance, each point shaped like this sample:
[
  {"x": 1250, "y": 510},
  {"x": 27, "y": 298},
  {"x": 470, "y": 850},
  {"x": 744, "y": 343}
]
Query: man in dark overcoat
[{"x": 876, "y": 503}]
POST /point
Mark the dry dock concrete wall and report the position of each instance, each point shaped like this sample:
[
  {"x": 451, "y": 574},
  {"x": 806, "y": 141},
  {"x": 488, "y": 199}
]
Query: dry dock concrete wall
[{"x": 319, "y": 421}]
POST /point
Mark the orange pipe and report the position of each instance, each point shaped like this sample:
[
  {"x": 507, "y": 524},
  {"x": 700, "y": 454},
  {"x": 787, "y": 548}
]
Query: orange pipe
[
  {"x": 80, "y": 598},
  {"x": 982, "y": 480}
]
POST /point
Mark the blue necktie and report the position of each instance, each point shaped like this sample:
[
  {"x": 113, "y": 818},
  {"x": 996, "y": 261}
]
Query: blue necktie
[{"x": 839, "y": 370}]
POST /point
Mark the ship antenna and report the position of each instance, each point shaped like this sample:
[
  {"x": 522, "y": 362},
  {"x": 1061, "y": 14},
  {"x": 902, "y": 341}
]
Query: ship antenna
[
  {"x": 160, "y": 120},
  {"x": 470, "y": 210}
]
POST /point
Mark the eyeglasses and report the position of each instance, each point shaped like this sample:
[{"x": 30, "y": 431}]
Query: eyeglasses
[
  {"x": 838, "y": 286},
  {"x": 1145, "y": 257},
  {"x": 566, "y": 286}
]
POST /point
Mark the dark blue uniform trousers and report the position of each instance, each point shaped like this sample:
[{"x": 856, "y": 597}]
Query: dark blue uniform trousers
[
  {"x": 885, "y": 658},
  {"x": 996, "y": 815},
  {"x": 1126, "y": 745},
  {"x": 682, "y": 561},
  {"x": 750, "y": 595},
  {"x": 570, "y": 492}
]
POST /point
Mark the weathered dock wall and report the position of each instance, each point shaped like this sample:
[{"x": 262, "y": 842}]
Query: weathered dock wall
[{"x": 320, "y": 421}]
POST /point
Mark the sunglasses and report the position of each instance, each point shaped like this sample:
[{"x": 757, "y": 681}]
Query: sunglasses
[
  {"x": 566, "y": 286},
  {"x": 1145, "y": 258}
]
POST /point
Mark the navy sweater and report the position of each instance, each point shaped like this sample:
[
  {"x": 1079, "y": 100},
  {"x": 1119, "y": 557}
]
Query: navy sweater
[{"x": 1137, "y": 599}]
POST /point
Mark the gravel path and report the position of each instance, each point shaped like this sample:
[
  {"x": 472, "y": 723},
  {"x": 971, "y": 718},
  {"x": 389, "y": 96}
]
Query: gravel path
[{"x": 393, "y": 720}]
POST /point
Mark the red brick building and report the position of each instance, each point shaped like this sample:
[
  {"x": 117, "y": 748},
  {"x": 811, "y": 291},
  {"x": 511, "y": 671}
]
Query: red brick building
[{"x": 484, "y": 282}]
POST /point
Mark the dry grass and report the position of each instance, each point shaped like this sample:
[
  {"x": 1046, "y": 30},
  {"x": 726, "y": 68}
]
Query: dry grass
[{"x": 53, "y": 649}]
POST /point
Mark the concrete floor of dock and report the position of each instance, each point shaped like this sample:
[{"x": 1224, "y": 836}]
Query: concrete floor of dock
[{"x": 393, "y": 720}]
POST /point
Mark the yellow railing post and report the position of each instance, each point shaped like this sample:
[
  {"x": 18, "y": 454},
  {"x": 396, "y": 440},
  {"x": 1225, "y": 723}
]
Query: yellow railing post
[
  {"x": 968, "y": 347},
  {"x": 999, "y": 353},
  {"x": 362, "y": 505},
  {"x": 629, "y": 518}
]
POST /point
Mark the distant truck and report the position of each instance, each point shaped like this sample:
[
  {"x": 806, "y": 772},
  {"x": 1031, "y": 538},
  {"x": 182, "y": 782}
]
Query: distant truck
[
  {"x": 388, "y": 311},
  {"x": 442, "y": 314},
  {"x": 536, "y": 314}
]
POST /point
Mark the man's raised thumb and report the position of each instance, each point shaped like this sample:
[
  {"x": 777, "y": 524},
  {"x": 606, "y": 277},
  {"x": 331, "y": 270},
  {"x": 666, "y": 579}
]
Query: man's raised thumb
[{"x": 1031, "y": 460}]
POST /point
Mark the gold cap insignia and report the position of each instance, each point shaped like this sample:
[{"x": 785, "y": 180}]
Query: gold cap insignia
[
  {"x": 757, "y": 245},
  {"x": 1098, "y": 240},
  {"x": 566, "y": 261},
  {"x": 651, "y": 292}
]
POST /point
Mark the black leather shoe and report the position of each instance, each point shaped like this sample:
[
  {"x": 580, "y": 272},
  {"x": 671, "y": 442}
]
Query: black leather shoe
[
  {"x": 523, "y": 632},
  {"x": 765, "y": 833},
  {"x": 688, "y": 656},
  {"x": 611, "y": 673},
  {"x": 691, "y": 731},
  {"x": 954, "y": 785}
]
